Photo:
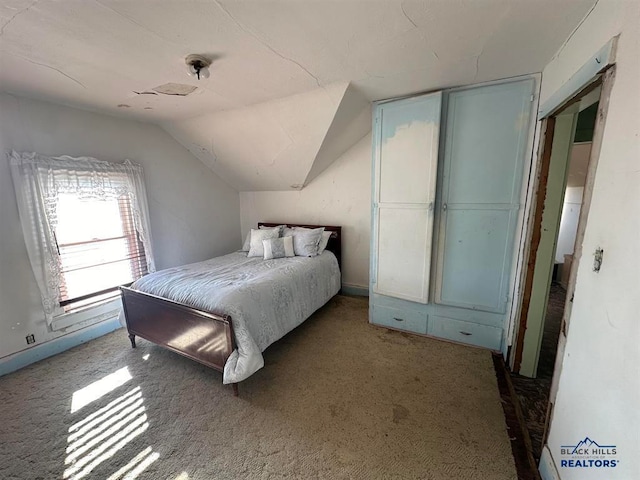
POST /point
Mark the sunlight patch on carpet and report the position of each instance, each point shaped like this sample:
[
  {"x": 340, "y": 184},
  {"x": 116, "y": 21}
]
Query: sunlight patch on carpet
[
  {"x": 91, "y": 393},
  {"x": 101, "y": 434}
]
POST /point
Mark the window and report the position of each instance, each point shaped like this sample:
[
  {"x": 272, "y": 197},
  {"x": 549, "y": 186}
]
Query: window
[
  {"x": 99, "y": 249},
  {"x": 85, "y": 224}
]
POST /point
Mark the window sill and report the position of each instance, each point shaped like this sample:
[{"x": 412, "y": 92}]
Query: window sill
[{"x": 88, "y": 316}]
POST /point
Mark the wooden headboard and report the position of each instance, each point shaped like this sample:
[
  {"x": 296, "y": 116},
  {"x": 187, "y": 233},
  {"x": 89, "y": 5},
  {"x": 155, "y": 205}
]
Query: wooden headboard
[{"x": 335, "y": 241}]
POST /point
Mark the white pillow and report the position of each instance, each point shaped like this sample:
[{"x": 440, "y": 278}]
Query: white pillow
[
  {"x": 278, "y": 247},
  {"x": 256, "y": 249},
  {"x": 306, "y": 241},
  {"x": 279, "y": 227},
  {"x": 326, "y": 235},
  {"x": 247, "y": 241}
]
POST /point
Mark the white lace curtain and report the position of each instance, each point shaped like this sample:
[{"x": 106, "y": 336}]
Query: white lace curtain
[{"x": 39, "y": 180}]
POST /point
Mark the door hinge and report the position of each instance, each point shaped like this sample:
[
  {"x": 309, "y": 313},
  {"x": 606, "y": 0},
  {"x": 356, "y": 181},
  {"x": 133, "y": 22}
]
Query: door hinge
[{"x": 532, "y": 98}]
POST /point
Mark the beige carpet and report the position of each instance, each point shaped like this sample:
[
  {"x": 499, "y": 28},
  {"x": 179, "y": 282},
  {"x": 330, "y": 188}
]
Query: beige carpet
[{"x": 338, "y": 398}]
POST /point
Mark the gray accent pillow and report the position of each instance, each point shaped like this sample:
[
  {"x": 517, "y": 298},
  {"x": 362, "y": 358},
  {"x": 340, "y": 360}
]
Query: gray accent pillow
[
  {"x": 256, "y": 249},
  {"x": 305, "y": 242},
  {"x": 278, "y": 247}
]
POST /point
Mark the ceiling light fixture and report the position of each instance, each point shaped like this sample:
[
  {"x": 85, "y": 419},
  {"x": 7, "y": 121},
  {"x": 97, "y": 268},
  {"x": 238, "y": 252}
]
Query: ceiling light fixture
[{"x": 197, "y": 66}]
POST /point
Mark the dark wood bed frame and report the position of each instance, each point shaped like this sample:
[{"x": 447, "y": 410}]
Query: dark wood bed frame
[{"x": 206, "y": 337}]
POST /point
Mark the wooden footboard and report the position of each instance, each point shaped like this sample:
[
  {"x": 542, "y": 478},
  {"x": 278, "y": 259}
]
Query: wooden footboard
[{"x": 201, "y": 336}]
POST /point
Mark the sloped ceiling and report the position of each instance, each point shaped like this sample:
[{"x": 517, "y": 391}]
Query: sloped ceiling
[
  {"x": 277, "y": 145},
  {"x": 96, "y": 54}
]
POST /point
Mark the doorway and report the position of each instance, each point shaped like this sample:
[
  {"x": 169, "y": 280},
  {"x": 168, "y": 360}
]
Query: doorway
[{"x": 571, "y": 145}]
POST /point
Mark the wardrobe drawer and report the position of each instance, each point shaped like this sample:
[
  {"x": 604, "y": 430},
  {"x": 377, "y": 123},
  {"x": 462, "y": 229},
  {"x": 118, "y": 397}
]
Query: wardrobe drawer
[
  {"x": 409, "y": 320},
  {"x": 465, "y": 332}
]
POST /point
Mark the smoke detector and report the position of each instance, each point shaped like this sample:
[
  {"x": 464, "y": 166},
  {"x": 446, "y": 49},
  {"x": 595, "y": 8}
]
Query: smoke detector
[{"x": 198, "y": 66}]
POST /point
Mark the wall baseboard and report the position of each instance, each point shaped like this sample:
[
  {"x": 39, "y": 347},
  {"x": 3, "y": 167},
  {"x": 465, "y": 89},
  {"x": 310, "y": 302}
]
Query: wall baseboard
[
  {"x": 357, "y": 290},
  {"x": 58, "y": 345},
  {"x": 547, "y": 466}
]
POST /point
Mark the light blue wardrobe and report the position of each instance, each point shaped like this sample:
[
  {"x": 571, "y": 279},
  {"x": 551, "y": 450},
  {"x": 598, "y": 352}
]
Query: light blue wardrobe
[{"x": 447, "y": 178}]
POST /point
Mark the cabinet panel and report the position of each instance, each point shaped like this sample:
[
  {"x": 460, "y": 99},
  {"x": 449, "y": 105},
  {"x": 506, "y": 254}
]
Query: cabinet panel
[
  {"x": 402, "y": 319},
  {"x": 404, "y": 252},
  {"x": 465, "y": 332},
  {"x": 408, "y": 149},
  {"x": 474, "y": 258},
  {"x": 487, "y": 130}
]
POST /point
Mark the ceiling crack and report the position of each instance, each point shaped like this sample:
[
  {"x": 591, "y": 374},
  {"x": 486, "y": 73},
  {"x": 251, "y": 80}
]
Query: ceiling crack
[
  {"x": 475, "y": 75},
  {"x": 408, "y": 17},
  {"x": 246, "y": 30},
  {"x": 19, "y": 12},
  {"x": 419, "y": 31},
  {"x": 575, "y": 30},
  {"x": 144, "y": 27},
  {"x": 47, "y": 66}
]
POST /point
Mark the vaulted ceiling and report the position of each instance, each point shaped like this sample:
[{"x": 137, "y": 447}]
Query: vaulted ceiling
[{"x": 109, "y": 55}]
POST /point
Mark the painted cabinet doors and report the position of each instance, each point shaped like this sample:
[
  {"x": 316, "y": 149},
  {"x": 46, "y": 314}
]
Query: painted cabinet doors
[
  {"x": 486, "y": 136},
  {"x": 468, "y": 230},
  {"x": 405, "y": 155}
]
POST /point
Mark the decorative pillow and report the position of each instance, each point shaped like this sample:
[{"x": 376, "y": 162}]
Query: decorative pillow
[
  {"x": 256, "y": 249},
  {"x": 247, "y": 243},
  {"x": 278, "y": 247},
  {"x": 305, "y": 242},
  {"x": 279, "y": 227},
  {"x": 287, "y": 232},
  {"x": 326, "y": 235},
  {"x": 323, "y": 241}
]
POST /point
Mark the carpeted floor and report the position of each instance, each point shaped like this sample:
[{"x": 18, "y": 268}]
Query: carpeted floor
[{"x": 338, "y": 398}]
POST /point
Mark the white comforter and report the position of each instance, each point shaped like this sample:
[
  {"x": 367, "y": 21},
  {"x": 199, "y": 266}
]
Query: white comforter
[{"x": 265, "y": 298}]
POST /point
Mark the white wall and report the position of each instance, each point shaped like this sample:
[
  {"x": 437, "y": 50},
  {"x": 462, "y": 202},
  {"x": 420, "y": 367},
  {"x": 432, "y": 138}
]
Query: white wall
[
  {"x": 599, "y": 386},
  {"x": 569, "y": 222},
  {"x": 341, "y": 195},
  {"x": 194, "y": 214}
]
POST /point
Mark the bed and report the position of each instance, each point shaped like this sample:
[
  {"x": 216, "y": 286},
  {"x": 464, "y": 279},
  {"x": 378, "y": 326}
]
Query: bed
[{"x": 226, "y": 311}]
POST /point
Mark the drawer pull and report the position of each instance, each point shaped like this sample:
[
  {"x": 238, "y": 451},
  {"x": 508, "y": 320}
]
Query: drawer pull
[
  {"x": 465, "y": 333},
  {"x": 398, "y": 319}
]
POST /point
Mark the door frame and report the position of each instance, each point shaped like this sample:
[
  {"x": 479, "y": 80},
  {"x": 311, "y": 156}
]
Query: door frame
[
  {"x": 559, "y": 135},
  {"x": 607, "y": 80},
  {"x": 581, "y": 83}
]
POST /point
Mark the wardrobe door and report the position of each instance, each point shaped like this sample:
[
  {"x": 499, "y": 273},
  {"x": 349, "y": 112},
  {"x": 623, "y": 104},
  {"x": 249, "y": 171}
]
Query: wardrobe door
[
  {"x": 486, "y": 136},
  {"x": 405, "y": 165}
]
